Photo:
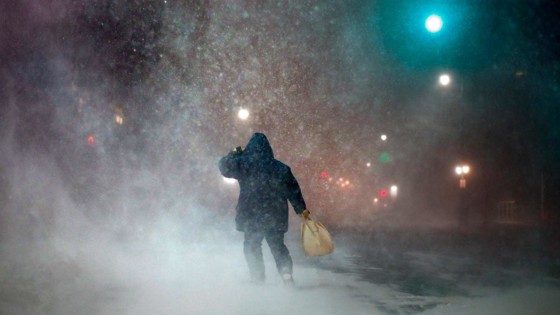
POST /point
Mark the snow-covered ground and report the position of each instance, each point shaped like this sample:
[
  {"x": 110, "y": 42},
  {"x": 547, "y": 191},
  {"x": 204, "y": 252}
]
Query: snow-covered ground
[
  {"x": 96, "y": 278},
  {"x": 172, "y": 276}
]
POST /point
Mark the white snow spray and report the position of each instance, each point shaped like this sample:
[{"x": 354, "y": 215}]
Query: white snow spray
[{"x": 114, "y": 115}]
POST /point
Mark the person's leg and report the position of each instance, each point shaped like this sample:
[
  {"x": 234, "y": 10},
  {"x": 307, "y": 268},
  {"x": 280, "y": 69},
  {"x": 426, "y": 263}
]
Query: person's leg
[
  {"x": 281, "y": 254},
  {"x": 253, "y": 254}
]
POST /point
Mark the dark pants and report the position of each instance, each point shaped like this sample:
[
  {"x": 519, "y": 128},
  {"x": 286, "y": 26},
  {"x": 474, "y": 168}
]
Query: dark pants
[{"x": 252, "y": 247}]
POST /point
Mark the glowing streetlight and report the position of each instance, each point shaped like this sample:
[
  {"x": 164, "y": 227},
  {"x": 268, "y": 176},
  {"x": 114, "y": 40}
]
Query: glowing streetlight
[
  {"x": 434, "y": 23},
  {"x": 119, "y": 115},
  {"x": 393, "y": 191},
  {"x": 463, "y": 213},
  {"x": 243, "y": 114},
  {"x": 444, "y": 79},
  {"x": 458, "y": 170},
  {"x": 462, "y": 170},
  {"x": 383, "y": 137},
  {"x": 119, "y": 119}
]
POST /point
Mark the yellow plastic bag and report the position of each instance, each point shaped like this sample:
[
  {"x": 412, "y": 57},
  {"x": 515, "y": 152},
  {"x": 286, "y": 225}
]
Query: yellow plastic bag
[{"x": 315, "y": 238}]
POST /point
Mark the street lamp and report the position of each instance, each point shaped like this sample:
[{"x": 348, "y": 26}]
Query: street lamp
[
  {"x": 444, "y": 79},
  {"x": 394, "y": 189},
  {"x": 119, "y": 119},
  {"x": 119, "y": 116},
  {"x": 447, "y": 81},
  {"x": 463, "y": 213},
  {"x": 243, "y": 114},
  {"x": 462, "y": 170}
]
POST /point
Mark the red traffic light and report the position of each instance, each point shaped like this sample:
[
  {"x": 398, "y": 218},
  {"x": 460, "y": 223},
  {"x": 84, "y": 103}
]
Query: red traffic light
[
  {"x": 383, "y": 193},
  {"x": 90, "y": 139},
  {"x": 324, "y": 175}
]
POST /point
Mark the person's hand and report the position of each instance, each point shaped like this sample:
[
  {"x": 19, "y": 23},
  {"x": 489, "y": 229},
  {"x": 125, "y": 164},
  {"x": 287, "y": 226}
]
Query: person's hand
[
  {"x": 237, "y": 150},
  {"x": 305, "y": 214}
]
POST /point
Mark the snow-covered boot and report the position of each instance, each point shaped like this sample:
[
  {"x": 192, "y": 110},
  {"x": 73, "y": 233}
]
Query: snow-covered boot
[{"x": 288, "y": 280}]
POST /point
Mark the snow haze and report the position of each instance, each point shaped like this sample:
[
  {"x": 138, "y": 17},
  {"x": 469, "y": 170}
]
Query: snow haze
[{"x": 114, "y": 115}]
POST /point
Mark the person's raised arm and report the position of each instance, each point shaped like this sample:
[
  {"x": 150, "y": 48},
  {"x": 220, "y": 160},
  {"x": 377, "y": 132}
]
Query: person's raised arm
[{"x": 229, "y": 165}]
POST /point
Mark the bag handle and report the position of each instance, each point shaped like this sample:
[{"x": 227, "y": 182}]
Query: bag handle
[{"x": 311, "y": 224}]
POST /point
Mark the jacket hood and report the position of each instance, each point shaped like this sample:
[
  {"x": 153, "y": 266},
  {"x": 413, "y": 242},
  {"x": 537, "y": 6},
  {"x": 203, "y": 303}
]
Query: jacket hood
[{"x": 259, "y": 145}]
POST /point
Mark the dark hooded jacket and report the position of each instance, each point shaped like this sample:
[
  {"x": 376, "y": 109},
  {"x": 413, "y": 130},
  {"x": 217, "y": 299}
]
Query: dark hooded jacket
[{"x": 266, "y": 186}]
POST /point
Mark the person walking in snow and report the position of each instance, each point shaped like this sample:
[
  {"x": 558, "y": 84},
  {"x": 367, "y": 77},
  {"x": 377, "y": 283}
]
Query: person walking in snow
[{"x": 266, "y": 186}]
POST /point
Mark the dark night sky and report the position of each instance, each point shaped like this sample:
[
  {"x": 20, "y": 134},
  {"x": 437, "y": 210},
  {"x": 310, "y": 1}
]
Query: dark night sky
[{"x": 322, "y": 78}]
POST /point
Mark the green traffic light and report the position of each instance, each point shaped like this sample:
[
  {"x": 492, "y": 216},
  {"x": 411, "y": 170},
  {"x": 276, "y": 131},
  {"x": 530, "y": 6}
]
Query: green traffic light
[
  {"x": 434, "y": 23},
  {"x": 385, "y": 157}
]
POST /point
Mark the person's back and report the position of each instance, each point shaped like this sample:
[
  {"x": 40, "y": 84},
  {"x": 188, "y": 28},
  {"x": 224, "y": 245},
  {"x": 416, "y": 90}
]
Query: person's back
[{"x": 266, "y": 185}]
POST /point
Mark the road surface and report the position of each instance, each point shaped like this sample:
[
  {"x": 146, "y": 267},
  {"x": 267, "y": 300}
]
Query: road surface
[{"x": 378, "y": 271}]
